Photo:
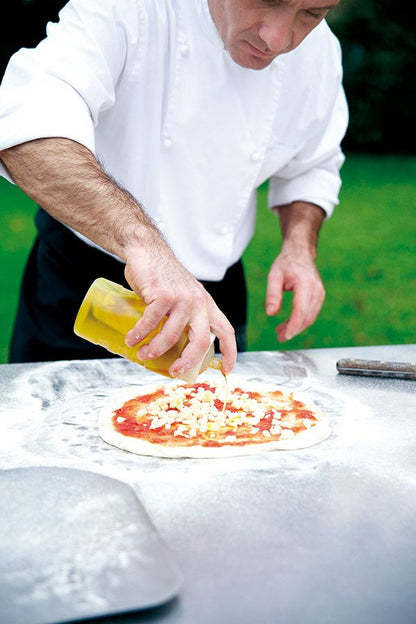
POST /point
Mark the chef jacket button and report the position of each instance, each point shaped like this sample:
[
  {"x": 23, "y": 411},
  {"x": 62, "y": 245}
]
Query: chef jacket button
[
  {"x": 167, "y": 142},
  {"x": 224, "y": 229},
  {"x": 184, "y": 49},
  {"x": 255, "y": 156}
]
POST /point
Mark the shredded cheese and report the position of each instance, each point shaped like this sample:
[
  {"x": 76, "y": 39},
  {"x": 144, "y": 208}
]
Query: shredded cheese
[{"x": 191, "y": 410}]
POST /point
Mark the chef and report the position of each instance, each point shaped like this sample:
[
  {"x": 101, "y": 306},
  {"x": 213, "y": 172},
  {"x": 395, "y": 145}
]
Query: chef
[{"x": 143, "y": 128}]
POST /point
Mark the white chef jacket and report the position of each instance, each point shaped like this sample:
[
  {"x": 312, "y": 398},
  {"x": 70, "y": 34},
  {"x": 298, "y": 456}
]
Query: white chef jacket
[{"x": 147, "y": 86}]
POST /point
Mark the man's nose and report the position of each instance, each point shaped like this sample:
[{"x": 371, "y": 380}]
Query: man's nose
[{"x": 278, "y": 33}]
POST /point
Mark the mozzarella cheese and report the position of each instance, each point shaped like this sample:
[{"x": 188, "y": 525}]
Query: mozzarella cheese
[{"x": 201, "y": 410}]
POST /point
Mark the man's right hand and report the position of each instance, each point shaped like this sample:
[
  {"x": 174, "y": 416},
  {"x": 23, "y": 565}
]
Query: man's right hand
[
  {"x": 170, "y": 290},
  {"x": 65, "y": 178}
]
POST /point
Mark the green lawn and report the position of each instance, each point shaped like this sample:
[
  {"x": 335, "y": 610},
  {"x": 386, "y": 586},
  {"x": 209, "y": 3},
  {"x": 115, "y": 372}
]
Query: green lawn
[
  {"x": 367, "y": 257},
  {"x": 16, "y": 235}
]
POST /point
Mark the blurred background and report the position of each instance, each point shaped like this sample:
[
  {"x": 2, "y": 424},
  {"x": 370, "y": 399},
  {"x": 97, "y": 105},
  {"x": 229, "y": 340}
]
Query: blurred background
[{"x": 367, "y": 250}]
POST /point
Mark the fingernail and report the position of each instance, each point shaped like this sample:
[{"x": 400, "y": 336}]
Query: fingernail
[
  {"x": 132, "y": 340},
  {"x": 181, "y": 371},
  {"x": 175, "y": 373}
]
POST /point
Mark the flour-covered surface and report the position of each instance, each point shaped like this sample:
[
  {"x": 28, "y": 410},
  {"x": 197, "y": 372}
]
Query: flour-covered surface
[
  {"x": 74, "y": 544},
  {"x": 54, "y": 420},
  {"x": 258, "y": 538}
]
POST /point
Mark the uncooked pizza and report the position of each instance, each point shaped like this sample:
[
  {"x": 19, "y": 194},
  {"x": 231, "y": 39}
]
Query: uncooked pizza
[{"x": 211, "y": 419}]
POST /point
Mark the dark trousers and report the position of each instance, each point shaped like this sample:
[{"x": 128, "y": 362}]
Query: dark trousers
[{"x": 59, "y": 271}]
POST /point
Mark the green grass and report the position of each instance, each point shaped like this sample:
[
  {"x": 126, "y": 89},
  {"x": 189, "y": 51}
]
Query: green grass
[
  {"x": 16, "y": 236},
  {"x": 367, "y": 255}
]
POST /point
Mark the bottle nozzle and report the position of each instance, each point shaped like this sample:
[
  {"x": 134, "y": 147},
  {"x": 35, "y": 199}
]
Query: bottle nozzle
[{"x": 216, "y": 363}]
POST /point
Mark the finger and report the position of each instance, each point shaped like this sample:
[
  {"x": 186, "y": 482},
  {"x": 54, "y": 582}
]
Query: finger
[
  {"x": 307, "y": 303},
  {"x": 224, "y": 331},
  {"x": 274, "y": 292},
  {"x": 199, "y": 341},
  {"x": 191, "y": 357},
  {"x": 296, "y": 322},
  {"x": 166, "y": 336},
  {"x": 228, "y": 346},
  {"x": 153, "y": 314},
  {"x": 281, "y": 331}
]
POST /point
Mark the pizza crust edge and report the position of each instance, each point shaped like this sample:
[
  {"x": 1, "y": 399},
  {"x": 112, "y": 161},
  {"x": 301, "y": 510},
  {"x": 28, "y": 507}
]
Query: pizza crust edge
[{"x": 137, "y": 446}]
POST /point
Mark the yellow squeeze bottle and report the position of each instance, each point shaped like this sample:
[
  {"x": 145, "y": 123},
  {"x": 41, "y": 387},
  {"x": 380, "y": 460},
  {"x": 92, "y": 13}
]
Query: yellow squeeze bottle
[{"x": 109, "y": 311}]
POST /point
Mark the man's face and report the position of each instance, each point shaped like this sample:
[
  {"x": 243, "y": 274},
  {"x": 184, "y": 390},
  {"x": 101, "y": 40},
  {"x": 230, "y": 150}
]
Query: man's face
[{"x": 256, "y": 31}]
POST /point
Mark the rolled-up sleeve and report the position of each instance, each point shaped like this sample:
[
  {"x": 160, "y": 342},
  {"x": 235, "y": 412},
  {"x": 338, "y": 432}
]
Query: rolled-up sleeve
[{"x": 60, "y": 88}]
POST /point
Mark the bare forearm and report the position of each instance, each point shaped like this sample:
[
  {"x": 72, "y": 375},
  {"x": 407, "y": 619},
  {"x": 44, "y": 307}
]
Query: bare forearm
[
  {"x": 300, "y": 223},
  {"x": 66, "y": 180}
]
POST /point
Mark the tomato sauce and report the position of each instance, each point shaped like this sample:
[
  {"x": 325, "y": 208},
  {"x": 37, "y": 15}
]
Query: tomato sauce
[{"x": 127, "y": 422}]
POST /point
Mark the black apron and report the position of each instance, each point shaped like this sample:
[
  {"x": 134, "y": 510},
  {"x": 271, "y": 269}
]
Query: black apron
[{"x": 59, "y": 271}]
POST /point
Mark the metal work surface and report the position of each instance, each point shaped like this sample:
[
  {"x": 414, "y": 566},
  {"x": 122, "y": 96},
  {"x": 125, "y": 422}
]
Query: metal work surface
[
  {"x": 320, "y": 535},
  {"x": 76, "y": 544}
]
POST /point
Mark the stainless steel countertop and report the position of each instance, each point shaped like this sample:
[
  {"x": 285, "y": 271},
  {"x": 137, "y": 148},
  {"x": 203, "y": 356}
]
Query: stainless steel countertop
[{"x": 320, "y": 535}]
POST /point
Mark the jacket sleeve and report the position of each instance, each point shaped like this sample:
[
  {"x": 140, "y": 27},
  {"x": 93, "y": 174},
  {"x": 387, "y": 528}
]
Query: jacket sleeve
[
  {"x": 312, "y": 175},
  {"x": 60, "y": 88}
]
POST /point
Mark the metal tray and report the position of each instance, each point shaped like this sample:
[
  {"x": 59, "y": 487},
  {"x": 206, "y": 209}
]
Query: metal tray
[{"x": 75, "y": 545}]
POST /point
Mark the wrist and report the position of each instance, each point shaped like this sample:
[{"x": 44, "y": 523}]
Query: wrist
[{"x": 300, "y": 225}]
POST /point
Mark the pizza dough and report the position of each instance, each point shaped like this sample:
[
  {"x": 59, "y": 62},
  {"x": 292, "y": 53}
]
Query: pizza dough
[{"x": 183, "y": 420}]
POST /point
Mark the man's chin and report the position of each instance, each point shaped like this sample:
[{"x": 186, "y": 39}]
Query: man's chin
[{"x": 249, "y": 60}]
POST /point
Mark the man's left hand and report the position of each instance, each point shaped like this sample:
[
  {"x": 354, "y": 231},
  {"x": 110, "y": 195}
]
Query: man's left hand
[
  {"x": 299, "y": 275},
  {"x": 294, "y": 269}
]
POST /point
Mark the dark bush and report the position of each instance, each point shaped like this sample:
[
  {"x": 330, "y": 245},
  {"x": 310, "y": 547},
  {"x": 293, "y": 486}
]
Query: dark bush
[
  {"x": 23, "y": 24},
  {"x": 379, "y": 49}
]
